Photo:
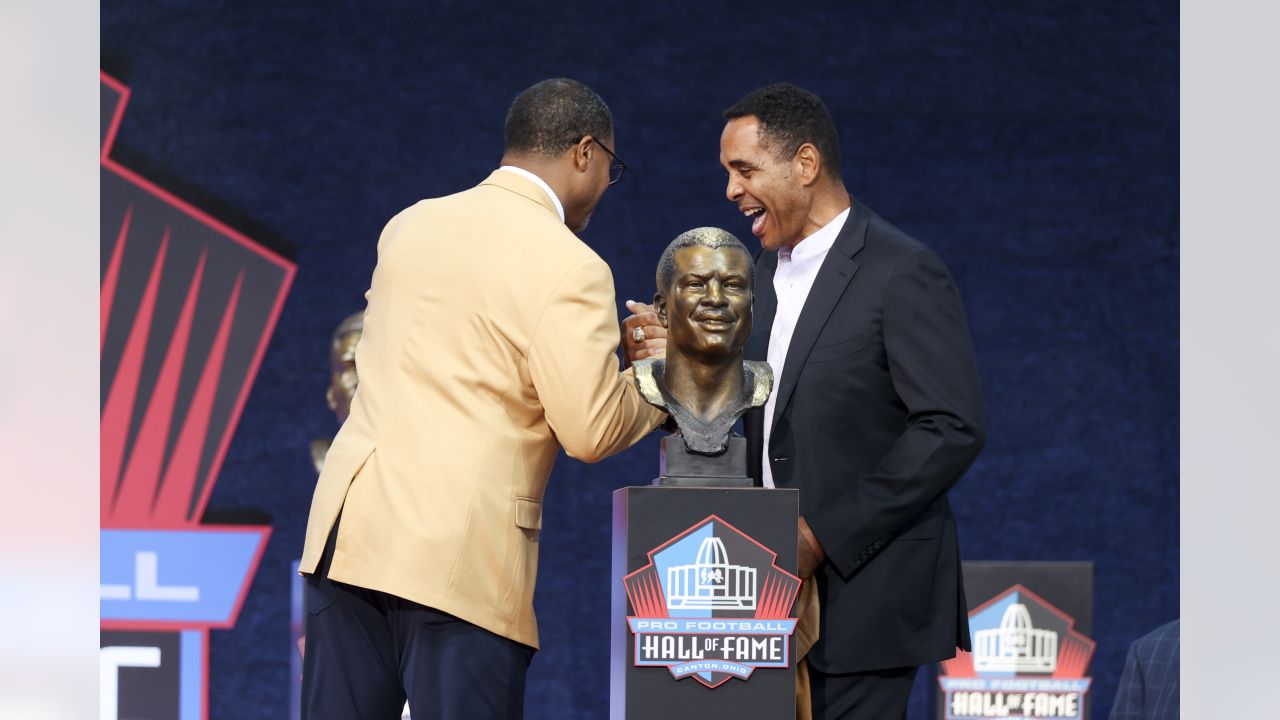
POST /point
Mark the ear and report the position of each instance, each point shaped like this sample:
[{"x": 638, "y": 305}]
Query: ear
[
  {"x": 582, "y": 153},
  {"x": 329, "y": 399},
  {"x": 808, "y": 163},
  {"x": 660, "y": 307}
]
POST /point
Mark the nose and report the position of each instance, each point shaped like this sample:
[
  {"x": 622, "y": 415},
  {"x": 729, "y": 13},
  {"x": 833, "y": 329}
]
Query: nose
[
  {"x": 714, "y": 296},
  {"x": 732, "y": 190}
]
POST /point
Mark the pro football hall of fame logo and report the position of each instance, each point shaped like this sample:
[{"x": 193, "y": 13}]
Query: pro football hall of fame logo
[
  {"x": 712, "y": 604},
  {"x": 188, "y": 305},
  {"x": 1028, "y": 661}
]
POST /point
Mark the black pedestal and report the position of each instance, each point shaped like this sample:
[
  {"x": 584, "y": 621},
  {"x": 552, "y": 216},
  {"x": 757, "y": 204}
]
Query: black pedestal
[
  {"x": 677, "y": 467},
  {"x": 703, "y": 588}
]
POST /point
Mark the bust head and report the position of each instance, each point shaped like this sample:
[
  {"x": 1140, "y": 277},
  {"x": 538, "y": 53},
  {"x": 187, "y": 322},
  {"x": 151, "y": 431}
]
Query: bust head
[
  {"x": 705, "y": 285},
  {"x": 705, "y": 282},
  {"x": 342, "y": 365}
]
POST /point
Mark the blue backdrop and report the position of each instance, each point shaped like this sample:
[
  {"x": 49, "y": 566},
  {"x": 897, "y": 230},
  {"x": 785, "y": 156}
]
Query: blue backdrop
[{"x": 1033, "y": 145}]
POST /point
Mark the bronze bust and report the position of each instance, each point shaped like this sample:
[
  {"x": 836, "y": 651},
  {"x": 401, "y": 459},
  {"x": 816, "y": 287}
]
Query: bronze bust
[
  {"x": 342, "y": 378},
  {"x": 705, "y": 286}
]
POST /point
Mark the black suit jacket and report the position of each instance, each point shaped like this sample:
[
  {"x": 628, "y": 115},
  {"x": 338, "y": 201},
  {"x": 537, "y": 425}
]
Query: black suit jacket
[{"x": 878, "y": 414}]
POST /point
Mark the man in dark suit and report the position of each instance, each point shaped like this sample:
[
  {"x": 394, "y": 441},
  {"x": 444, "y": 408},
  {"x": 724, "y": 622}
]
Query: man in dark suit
[{"x": 876, "y": 413}]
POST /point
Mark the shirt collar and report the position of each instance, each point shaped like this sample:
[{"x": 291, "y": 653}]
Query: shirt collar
[
  {"x": 540, "y": 183},
  {"x": 817, "y": 244}
]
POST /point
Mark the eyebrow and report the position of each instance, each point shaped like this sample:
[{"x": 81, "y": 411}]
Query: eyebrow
[
  {"x": 704, "y": 276},
  {"x": 742, "y": 164}
]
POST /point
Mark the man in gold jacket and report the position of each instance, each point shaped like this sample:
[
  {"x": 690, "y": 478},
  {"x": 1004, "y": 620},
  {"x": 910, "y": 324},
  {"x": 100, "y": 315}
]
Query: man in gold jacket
[{"x": 488, "y": 345}]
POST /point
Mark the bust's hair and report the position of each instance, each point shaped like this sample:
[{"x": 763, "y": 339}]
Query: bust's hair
[
  {"x": 353, "y": 323},
  {"x": 790, "y": 117},
  {"x": 553, "y": 115},
  {"x": 708, "y": 237}
]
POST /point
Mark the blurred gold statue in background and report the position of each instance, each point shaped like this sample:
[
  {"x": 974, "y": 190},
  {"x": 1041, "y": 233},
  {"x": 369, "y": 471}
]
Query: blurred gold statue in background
[{"x": 342, "y": 378}]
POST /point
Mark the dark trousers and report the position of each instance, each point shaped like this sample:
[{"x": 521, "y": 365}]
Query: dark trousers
[
  {"x": 367, "y": 651},
  {"x": 877, "y": 695}
]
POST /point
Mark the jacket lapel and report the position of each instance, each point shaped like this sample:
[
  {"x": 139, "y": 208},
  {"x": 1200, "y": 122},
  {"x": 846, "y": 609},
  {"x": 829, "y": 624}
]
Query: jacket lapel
[{"x": 833, "y": 277}]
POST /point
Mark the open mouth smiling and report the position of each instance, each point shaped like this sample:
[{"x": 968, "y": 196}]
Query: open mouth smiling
[{"x": 757, "y": 215}]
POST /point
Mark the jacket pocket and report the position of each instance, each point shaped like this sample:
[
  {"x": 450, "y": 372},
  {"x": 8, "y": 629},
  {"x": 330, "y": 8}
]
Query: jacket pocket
[
  {"x": 826, "y": 352},
  {"x": 529, "y": 513},
  {"x": 522, "y": 553}
]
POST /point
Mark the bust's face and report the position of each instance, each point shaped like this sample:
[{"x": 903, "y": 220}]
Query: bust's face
[{"x": 707, "y": 307}]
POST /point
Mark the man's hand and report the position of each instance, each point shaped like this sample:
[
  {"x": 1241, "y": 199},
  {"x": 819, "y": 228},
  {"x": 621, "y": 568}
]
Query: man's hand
[
  {"x": 810, "y": 550},
  {"x": 655, "y": 336}
]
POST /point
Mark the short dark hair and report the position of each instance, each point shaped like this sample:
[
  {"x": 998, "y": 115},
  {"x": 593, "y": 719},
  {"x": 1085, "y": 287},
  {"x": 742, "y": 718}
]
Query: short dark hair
[
  {"x": 708, "y": 237},
  {"x": 790, "y": 117},
  {"x": 553, "y": 115}
]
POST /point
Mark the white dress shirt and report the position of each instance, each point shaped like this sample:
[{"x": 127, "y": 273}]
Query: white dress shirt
[
  {"x": 540, "y": 183},
  {"x": 797, "y": 268}
]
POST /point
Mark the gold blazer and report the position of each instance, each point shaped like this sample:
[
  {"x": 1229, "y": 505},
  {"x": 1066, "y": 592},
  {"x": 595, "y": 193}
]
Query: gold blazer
[{"x": 488, "y": 345}]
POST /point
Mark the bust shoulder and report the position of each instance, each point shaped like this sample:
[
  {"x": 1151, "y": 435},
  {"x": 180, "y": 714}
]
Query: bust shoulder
[
  {"x": 760, "y": 380},
  {"x": 648, "y": 376}
]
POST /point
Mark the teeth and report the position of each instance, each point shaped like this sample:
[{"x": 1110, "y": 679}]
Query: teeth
[{"x": 753, "y": 212}]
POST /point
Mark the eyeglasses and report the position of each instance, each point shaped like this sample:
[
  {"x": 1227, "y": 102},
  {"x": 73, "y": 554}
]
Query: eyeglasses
[{"x": 617, "y": 167}]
